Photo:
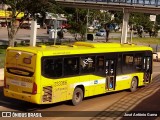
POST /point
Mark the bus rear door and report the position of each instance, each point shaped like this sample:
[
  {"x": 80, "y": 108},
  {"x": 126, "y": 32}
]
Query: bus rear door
[
  {"x": 147, "y": 69},
  {"x": 110, "y": 74}
]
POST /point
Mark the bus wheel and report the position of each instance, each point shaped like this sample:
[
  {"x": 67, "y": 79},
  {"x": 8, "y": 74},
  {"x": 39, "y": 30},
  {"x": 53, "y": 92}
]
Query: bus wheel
[
  {"x": 77, "y": 96},
  {"x": 134, "y": 84}
]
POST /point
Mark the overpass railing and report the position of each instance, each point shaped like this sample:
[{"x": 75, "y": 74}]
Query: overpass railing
[{"x": 152, "y": 3}]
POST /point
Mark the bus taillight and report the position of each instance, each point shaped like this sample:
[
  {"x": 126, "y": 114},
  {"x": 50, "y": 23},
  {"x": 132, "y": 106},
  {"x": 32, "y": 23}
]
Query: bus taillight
[{"x": 34, "y": 90}]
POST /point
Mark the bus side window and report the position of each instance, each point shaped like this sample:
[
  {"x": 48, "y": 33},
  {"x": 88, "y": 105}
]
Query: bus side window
[
  {"x": 127, "y": 63},
  {"x": 119, "y": 65},
  {"x": 57, "y": 68},
  {"x": 100, "y": 65},
  {"x": 87, "y": 64},
  {"x": 47, "y": 67},
  {"x": 138, "y": 62},
  {"x": 52, "y": 67},
  {"x": 71, "y": 66}
]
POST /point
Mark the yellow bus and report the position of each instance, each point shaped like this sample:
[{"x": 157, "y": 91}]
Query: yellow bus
[{"x": 51, "y": 74}]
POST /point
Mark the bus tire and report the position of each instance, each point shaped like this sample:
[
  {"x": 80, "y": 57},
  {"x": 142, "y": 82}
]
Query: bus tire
[
  {"x": 134, "y": 84},
  {"x": 77, "y": 96}
]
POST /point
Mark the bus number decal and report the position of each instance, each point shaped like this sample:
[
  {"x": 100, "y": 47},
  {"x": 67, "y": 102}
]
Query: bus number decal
[{"x": 60, "y": 83}]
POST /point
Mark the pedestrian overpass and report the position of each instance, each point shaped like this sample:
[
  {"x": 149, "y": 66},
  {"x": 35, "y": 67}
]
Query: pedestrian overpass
[{"x": 127, "y": 6}]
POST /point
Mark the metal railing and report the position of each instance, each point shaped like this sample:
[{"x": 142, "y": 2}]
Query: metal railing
[{"x": 153, "y": 3}]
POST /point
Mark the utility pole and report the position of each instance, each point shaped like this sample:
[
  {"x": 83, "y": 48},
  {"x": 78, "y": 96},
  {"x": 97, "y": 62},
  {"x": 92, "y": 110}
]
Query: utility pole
[
  {"x": 131, "y": 33},
  {"x": 55, "y": 29},
  {"x": 33, "y": 32},
  {"x": 125, "y": 26},
  {"x": 87, "y": 23}
]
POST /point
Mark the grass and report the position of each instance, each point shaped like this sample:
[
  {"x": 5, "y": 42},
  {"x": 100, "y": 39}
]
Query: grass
[
  {"x": 146, "y": 40},
  {"x": 2, "y": 57}
]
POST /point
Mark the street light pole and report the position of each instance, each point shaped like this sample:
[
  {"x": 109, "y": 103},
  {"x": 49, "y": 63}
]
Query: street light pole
[
  {"x": 87, "y": 23},
  {"x": 131, "y": 33},
  {"x": 33, "y": 33},
  {"x": 55, "y": 30}
]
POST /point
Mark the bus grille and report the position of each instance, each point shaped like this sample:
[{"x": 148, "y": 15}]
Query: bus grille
[{"x": 47, "y": 97}]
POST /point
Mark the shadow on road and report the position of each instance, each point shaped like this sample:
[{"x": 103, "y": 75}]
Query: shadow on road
[
  {"x": 145, "y": 101},
  {"x": 19, "y": 105}
]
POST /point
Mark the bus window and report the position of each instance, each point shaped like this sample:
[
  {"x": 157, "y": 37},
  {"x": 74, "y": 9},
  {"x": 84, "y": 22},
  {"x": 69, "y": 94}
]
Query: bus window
[
  {"x": 87, "y": 64},
  {"x": 100, "y": 65},
  {"x": 112, "y": 63},
  {"x": 138, "y": 61},
  {"x": 119, "y": 64},
  {"x": 52, "y": 67},
  {"x": 71, "y": 66},
  {"x": 127, "y": 63}
]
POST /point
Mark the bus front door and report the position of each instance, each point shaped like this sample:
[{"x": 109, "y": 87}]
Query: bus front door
[
  {"x": 147, "y": 69},
  {"x": 110, "y": 74}
]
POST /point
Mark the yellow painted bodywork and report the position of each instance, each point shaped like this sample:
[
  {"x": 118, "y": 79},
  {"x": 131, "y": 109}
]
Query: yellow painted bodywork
[
  {"x": 20, "y": 87},
  {"x": 8, "y": 14}
]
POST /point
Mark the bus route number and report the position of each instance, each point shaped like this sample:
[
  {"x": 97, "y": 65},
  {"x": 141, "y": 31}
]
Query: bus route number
[{"x": 60, "y": 83}]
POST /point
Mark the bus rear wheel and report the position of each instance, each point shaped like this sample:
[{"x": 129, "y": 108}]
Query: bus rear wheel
[
  {"x": 77, "y": 96},
  {"x": 134, "y": 84}
]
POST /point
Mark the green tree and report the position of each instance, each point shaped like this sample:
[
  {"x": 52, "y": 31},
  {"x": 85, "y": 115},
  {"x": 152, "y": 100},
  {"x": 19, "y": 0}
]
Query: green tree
[
  {"x": 141, "y": 20},
  {"x": 28, "y": 7},
  {"x": 118, "y": 16},
  {"x": 77, "y": 19},
  {"x": 158, "y": 19}
]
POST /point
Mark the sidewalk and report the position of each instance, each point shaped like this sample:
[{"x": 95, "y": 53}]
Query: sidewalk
[{"x": 2, "y": 74}]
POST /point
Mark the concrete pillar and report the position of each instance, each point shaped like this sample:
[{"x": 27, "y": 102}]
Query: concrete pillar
[
  {"x": 33, "y": 33},
  {"x": 55, "y": 31},
  {"x": 125, "y": 26}
]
